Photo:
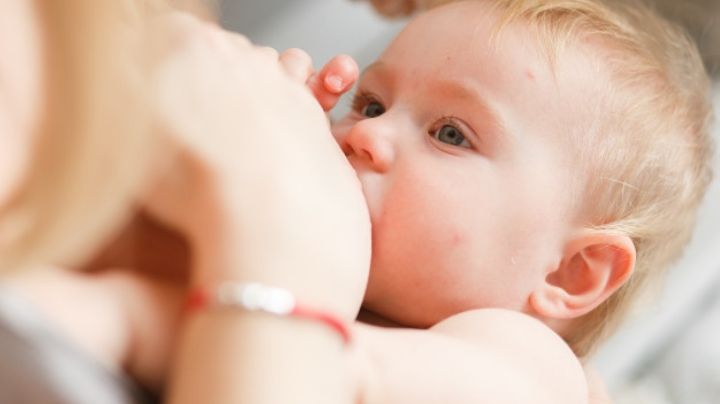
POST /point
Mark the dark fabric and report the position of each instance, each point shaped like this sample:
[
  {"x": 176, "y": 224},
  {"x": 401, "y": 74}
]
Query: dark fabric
[{"x": 37, "y": 366}]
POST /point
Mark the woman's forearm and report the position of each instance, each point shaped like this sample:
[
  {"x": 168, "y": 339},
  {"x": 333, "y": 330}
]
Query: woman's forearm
[{"x": 230, "y": 356}]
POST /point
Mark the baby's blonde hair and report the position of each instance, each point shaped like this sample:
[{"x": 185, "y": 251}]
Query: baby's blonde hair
[{"x": 648, "y": 154}]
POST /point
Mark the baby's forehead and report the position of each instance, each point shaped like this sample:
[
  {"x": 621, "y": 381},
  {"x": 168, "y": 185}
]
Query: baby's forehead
[
  {"x": 472, "y": 20},
  {"x": 466, "y": 31},
  {"x": 468, "y": 39},
  {"x": 484, "y": 27}
]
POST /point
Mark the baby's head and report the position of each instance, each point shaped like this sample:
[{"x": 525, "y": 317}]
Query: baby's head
[{"x": 541, "y": 156}]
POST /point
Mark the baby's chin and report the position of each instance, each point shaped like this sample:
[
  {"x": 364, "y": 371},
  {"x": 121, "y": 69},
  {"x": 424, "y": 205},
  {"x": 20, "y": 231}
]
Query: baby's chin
[
  {"x": 370, "y": 317},
  {"x": 390, "y": 301},
  {"x": 390, "y": 314}
]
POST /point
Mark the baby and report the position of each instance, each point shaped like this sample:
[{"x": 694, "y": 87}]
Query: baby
[
  {"x": 528, "y": 166},
  {"x": 540, "y": 157},
  {"x": 531, "y": 156}
]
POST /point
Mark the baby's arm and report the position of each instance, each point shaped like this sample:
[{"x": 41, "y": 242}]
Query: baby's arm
[{"x": 493, "y": 356}]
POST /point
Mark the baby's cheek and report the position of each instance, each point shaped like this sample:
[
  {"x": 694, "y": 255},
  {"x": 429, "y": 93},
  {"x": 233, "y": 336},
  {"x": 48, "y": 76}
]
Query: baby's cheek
[{"x": 423, "y": 237}]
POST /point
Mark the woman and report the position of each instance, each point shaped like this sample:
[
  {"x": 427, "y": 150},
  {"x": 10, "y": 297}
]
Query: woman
[
  {"x": 95, "y": 146},
  {"x": 204, "y": 109}
]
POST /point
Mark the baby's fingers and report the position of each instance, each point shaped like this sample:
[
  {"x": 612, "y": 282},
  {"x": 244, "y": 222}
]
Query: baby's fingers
[
  {"x": 336, "y": 78},
  {"x": 297, "y": 64}
]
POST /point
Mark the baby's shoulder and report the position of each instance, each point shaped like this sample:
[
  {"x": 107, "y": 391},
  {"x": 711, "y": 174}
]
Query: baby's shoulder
[
  {"x": 525, "y": 343},
  {"x": 501, "y": 326},
  {"x": 480, "y": 356}
]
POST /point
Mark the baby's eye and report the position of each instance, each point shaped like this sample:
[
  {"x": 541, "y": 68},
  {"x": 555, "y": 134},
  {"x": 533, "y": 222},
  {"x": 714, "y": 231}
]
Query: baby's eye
[
  {"x": 367, "y": 106},
  {"x": 373, "y": 109},
  {"x": 451, "y": 135}
]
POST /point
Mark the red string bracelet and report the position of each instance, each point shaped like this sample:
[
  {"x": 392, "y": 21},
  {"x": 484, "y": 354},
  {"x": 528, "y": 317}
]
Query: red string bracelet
[{"x": 266, "y": 299}]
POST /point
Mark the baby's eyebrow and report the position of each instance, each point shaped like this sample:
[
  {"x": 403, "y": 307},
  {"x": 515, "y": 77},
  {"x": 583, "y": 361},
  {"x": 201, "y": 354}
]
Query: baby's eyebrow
[
  {"x": 461, "y": 90},
  {"x": 466, "y": 92},
  {"x": 377, "y": 66}
]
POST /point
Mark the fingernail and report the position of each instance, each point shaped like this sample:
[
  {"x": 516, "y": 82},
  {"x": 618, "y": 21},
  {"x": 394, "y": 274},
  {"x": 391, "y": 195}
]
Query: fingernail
[{"x": 334, "y": 83}]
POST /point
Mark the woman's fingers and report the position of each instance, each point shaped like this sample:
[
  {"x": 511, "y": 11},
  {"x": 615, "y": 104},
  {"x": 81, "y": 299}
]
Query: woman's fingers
[{"x": 336, "y": 78}]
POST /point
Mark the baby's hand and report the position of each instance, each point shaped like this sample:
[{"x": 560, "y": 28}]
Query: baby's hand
[{"x": 329, "y": 84}]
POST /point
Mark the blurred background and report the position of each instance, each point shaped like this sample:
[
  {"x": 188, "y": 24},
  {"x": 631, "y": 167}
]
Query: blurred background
[{"x": 667, "y": 353}]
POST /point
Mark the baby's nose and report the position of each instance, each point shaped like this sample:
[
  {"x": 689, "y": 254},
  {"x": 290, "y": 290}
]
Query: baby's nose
[{"x": 369, "y": 142}]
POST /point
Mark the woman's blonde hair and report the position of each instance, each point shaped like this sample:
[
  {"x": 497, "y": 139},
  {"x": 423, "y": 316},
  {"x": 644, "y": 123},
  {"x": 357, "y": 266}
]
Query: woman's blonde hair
[{"x": 94, "y": 142}]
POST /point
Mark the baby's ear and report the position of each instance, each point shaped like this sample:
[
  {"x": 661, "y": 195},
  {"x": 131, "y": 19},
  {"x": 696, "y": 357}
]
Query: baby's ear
[{"x": 593, "y": 267}]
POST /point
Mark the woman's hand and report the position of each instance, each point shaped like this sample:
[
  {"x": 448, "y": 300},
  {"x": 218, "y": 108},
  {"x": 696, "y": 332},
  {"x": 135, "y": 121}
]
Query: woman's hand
[{"x": 258, "y": 184}]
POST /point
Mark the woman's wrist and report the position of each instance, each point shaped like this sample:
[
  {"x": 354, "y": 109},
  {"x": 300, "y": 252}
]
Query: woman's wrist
[
  {"x": 224, "y": 254},
  {"x": 316, "y": 296},
  {"x": 260, "y": 298},
  {"x": 261, "y": 353}
]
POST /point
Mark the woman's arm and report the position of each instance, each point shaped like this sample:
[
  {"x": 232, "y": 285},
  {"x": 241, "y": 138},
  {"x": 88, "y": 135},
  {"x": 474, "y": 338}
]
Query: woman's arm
[
  {"x": 236, "y": 357},
  {"x": 266, "y": 196}
]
